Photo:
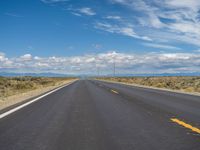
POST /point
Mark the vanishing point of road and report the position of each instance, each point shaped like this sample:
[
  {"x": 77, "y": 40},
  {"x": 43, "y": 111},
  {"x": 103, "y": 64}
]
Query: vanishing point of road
[{"x": 97, "y": 115}]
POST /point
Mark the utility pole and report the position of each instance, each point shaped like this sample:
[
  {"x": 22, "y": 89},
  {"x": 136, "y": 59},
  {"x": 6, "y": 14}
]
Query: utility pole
[
  {"x": 114, "y": 67},
  {"x": 98, "y": 71}
]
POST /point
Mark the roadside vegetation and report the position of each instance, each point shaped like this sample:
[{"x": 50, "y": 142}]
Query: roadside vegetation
[
  {"x": 14, "y": 85},
  {"x": 183, "y": 83}
]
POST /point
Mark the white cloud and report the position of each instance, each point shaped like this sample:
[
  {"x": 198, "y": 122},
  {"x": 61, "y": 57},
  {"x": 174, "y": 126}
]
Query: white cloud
[
  {"x": 4, "y": 61},
  {"x": 190, "y": 4},
  {"x": 41, "y": 65},
  {"x": 87, "y": 11},
  {"x": 2, "y": 56},
  {"x": 53, "y": 1},
  {"x": 26, "y": 57},
  {"x": 197, "y": 50},
  {"x": 76, "y": 14},
  {"x": 186, "y": 27},
  {"x": 127, "y": 31},
  {"x": 113, "y": 17},
  {"x": 123, "y": 30},
  {"x": 125, "y": 63},
  {"x": 13, "y": 15},
  {"x": 149, "y": 16},
  {"x": 161, "y": 46},
  {"x": 178, "y": 18}
]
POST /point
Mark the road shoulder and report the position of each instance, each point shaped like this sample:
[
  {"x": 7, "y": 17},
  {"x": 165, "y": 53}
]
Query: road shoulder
[
  {"x": 20, "y": 99},
  {"x": 150, "y": 87}
]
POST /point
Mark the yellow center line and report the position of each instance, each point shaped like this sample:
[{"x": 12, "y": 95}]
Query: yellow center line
[
  {"x": 114, "y": 91},
  {"x": 197, "y": 130}
]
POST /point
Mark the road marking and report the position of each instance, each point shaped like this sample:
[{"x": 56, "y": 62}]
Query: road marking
[
  {"x": 114, "y": 91},
  {"x": 185, "y": 125},
  {"x": 30, "y": 102}
]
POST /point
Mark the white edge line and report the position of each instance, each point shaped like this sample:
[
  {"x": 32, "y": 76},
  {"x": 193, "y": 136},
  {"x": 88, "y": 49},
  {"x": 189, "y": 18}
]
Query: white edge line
[{"x": 32, "y": 101}]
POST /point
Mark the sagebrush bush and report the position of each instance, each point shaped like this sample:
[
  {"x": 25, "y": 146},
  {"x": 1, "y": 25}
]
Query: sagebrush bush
[{"x": 13, "y": 85}]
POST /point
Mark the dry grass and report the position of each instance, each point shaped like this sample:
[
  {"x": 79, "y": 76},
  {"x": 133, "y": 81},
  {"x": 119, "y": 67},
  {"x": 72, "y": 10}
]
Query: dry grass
[
  {"x": 186, "y": 84},
  {"x": 10, "y": 86}
]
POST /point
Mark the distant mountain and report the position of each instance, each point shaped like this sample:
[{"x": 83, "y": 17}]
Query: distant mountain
[{"x": 9, "y": 74}]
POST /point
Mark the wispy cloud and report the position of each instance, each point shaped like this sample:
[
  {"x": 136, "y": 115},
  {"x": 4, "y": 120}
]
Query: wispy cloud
[
  {"x": 13, "y": 15},
  {"x": 178, "y": 20},
  {"x": 123, "y": 30},
  {"x": 76, "y": 14},
  {"x": 53, "y": 1},
  {"x": 190, "y": 4},
  {"x": 161, "y": 46},
  {"x": 113, "y": 17},
  {"x": 87, "y": 11},
  {"x": 81, "y": 11},
  {"x": 197, "y": 50},
  {"x": 175, "y": 17},
  {"x": 147, "y": 11}
]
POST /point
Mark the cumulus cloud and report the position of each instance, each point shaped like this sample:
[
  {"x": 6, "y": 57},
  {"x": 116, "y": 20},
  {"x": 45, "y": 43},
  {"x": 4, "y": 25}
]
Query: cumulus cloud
[
  {"x": 88, "y": 64},
  {"x": 2, "y": 56},
  {"x": 26, "y": 57},
  {"x": 4, "y": 61}
]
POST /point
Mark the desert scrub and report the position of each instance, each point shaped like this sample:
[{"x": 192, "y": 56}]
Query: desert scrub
[{"x": 14, "y": 85}]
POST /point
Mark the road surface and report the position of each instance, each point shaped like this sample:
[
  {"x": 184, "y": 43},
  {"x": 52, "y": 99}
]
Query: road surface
[{"x": 95, "y": 115}]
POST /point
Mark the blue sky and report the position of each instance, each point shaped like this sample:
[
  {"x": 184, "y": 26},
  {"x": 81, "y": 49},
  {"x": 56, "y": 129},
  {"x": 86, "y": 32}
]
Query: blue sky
[{"x": 76, "y": 37}]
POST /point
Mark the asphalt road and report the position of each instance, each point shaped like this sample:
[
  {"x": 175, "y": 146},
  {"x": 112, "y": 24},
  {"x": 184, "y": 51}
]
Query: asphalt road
[{"x": 95, "y": 115}]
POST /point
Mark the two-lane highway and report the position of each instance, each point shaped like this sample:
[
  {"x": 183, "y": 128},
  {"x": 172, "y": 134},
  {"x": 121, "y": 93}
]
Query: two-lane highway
[{"x": 96, "y": 115}]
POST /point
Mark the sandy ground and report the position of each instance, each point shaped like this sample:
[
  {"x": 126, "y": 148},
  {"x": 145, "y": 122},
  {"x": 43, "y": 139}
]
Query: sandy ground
[
  {"x": 164, "y": 89},
  {"x": 11, "y": 100}
]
